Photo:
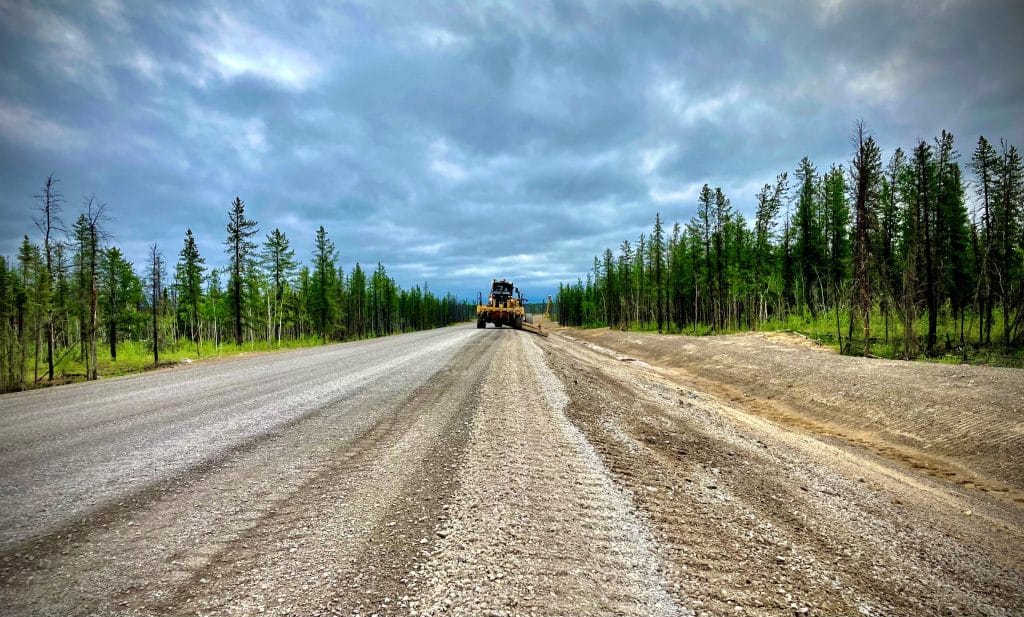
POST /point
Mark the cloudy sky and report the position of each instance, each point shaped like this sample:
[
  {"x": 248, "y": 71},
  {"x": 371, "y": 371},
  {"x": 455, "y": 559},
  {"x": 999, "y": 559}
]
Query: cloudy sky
[{"x": 456, "y": 142}]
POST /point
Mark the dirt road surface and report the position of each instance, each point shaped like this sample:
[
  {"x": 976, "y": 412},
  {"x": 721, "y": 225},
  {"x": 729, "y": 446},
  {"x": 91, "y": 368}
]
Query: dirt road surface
[{"x": 492, "y": 472}]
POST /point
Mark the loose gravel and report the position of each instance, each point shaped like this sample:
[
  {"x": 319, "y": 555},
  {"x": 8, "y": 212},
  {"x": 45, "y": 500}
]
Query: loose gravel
[
  {"x": 491, "y": 472},
  {"x": 755, "y": 518},
  {"x": 538, "y": 527}
]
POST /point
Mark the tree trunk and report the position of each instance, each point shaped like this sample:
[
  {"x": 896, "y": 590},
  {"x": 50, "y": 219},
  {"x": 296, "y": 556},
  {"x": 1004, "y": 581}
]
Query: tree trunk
[
  {"x": 156, "y": 345},
  {"x": 933, "y": 308},
  {"x": 93, "y": 309},
  {"x": 35, "y": 374},
  {"x": 49, "y": 346}
]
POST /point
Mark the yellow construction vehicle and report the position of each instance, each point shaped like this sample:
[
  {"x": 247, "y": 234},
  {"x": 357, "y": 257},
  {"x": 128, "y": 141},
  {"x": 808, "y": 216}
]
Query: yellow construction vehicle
[{"x": 505, "y": 307}]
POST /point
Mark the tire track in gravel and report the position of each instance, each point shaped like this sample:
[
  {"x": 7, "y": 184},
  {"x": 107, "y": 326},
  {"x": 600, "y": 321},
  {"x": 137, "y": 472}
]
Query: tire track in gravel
[
  {"x": 961, "y": 423},
  {"x": 283, "y": 517},
  {"x": 761, "y": 521},
  {"x": 343, "y": 541},
  {"x": 537, "y": 527}
]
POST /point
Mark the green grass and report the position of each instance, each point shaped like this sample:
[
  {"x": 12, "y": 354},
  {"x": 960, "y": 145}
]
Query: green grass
[
  {"x": 135, "y": 356},
  {"x": 949, "y": 348},
  {"x": 822, "y": 328}
]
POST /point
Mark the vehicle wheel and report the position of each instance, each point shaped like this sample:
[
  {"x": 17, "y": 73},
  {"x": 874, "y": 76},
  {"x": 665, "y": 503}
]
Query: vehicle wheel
[
  {"x": 497, "y": 324},
  {"x": 480, "y": 323},
  {"x": 519, "y": 322}
]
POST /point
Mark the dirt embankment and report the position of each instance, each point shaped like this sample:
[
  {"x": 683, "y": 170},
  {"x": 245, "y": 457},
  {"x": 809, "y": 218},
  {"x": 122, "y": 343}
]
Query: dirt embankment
[
  {"x": 753, "y": 518},
  {"x": 961, "y": 423}
]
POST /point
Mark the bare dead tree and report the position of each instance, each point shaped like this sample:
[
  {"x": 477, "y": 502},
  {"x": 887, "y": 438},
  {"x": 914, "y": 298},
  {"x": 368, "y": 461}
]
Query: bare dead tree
[
  {"x": 91, "y": 234},
  {"x": 49, "y": 223},
  {"x": 156, "y": 271}
]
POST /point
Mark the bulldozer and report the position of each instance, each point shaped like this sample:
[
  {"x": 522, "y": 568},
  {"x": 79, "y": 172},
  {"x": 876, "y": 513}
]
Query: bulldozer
[{"x": 505, "y": 306}]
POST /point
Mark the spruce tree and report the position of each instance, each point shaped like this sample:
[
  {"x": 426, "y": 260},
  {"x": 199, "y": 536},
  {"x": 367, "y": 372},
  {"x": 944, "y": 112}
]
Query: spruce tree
[
  {"x": 954, "y": 242},
  {"x": 239, "y": 250},
  {"x": 889, "y": 233},
  {"x": 722, "y": 214},
  {"x": 190, "y": 281},
  {"x": 611, "y": 288},
  {"x": 866, "y": 173},
  {"x": 1009, "y": 271},
  {"x": 31, "y": 307},
  {"x": 984, "y": 164},
  {"x": 121, "y": 292},
  {"x": 323, "y": 287},
  {"x": 809, "y": 249},
  {"x": 924, "y": 204},
  {"x": 357, "y": 326},
  {"x": 837, "y": 222},
  {"x": 625, "y": 267},
  {"x": 279, "y": 260},
  {"x": 657, "y": 261}
]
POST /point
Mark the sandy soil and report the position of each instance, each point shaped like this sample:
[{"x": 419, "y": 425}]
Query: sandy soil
[
  {"x": 962, "y": 423},
  {"x": 757, "y": 518}
]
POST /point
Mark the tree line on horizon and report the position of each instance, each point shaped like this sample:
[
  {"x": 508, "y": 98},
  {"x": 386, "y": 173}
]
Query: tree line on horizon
[
  {"x": 855, "y": 244},
  {"x": 74, "y": 291}
]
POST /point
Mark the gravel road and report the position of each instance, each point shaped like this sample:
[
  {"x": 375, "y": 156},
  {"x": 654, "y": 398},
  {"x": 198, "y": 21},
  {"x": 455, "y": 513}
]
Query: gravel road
[{"x": 469, "y": 472}]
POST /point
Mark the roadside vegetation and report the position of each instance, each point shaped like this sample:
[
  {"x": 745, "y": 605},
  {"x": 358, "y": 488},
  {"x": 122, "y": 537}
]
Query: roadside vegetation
[
  {"x": 73, "y": 307},
  {"x": 827, "y": 330},
  {"x": 912, "y": 259},
  {"x": 137, "y": 356}
]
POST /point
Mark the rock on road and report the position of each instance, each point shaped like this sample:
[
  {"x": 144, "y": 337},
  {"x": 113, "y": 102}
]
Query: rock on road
[{"x": 466, "y": 472}]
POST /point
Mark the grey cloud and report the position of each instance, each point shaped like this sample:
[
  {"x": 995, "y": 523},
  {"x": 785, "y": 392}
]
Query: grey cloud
[{"x": 459, "y": 142}]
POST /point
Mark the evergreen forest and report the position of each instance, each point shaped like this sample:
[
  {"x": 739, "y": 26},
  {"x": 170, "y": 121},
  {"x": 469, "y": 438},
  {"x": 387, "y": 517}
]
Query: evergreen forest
[
  {"x": 918, "y": 256},
  {"x": 73, "y": 307}
]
